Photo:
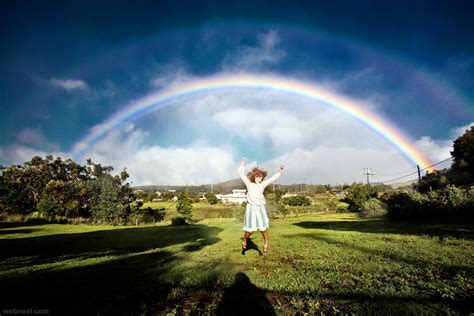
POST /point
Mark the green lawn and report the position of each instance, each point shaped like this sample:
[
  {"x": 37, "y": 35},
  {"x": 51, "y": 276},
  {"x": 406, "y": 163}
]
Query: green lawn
[
  {"x": 316, "y": 263},
  {"x": 201, "y": 210}
]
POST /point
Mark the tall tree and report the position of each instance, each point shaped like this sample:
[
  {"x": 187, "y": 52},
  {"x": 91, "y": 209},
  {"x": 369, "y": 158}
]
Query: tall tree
[
  {"x": 463, "y": 154},
  {"x": 184, "y": 204}
]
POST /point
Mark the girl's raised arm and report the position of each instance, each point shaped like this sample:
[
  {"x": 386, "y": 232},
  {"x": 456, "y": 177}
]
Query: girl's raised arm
[
  {"x": 274, "y": 177},
  {"x": 240, "y": 171}
]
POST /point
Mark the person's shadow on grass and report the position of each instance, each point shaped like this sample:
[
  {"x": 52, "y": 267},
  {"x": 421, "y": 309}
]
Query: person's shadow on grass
[
  {"x": 244, "y": 298},
  {"x": 251, "y": 246}
]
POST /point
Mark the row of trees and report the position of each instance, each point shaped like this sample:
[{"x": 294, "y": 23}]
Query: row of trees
[
  {"x": 447, "y": 193},
  {"x": 61, "y": 189}
]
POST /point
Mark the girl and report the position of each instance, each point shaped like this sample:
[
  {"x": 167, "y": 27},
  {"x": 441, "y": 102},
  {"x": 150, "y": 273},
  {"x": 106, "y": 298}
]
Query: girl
[{"x": 255, "y": 213}]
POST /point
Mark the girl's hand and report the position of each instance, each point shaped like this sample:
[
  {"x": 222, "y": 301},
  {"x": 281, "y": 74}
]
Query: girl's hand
[
  {"x": 282, "y": 166},
  {"x": 244, "y": 161}
]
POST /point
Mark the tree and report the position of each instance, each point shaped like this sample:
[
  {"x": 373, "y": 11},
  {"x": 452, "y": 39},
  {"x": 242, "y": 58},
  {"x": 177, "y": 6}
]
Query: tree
[
  {"x": 184, "y": 204},
  {"x": 358, "y": 194},
  {"x": 299, "y": 200},
  {"x": 211, "y": 198},
  {"x": 107, "y": 202},
  {"x": 463, "y": 154},
  {"x": 435, "y": 180}
]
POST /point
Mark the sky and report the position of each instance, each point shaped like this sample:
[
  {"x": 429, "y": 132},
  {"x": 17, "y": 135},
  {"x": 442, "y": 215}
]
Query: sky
[{"x": 69, "y": 67}]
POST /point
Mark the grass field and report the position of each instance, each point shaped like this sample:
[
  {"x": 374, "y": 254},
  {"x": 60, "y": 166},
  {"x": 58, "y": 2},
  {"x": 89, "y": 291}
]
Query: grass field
[{"x": 327, "y": 263}]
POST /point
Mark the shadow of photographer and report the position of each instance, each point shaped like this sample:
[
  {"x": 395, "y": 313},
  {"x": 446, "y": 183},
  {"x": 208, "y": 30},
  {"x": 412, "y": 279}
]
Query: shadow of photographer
[{"x": 244, "y": 298}]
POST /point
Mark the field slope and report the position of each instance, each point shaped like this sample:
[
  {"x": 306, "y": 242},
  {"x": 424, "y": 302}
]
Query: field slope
[{"x": 325, "y": 263}]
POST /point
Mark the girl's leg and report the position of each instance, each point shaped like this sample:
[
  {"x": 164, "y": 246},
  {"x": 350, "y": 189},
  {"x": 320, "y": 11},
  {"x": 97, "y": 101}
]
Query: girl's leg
[
  {"x": 244, "y": 239},
  {"x": 265, "y": 240}
]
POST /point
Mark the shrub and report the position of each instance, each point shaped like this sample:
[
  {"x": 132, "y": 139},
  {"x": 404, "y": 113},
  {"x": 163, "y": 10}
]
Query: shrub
[
  {"x": 342, "y": 207},
  {"x": 211, "y": 198},
  {"x": 238, "y": 212},
  {"x": 178, "y": 221},
  {"x": 373, "y": 208},
  {"x": 276, "y": 209},
  {"x": 299, "y": 200},
  {"x": 435, "y": 180},
  {"x": 405, "y": 204},
  {"x": 450, "y": 202},
  {"x": 146, "y": 215},
  {"x": 358, "y": 194}
]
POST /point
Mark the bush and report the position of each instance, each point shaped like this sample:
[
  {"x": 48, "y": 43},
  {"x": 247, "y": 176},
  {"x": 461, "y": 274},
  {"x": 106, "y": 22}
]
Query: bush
[
  {"x": 276, "y": 209},
  {"x": 373, "y": 208},
  {"x": 238, "y": 212},
  {"x": 342, "y": 207},
  {"x": 435, "y": 180},
  {"x": 358, "y": 194},
  {"x": 405, "y": 204},
  {"x": 449, "y": 203},
  {"x": 211, "y": 198},
  {"x": 178, "y": 221},
  {"x": 299, "y": 200},
  {"x": 145, "y": 216}
]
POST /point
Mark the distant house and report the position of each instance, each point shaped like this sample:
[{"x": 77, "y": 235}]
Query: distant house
[
  {"x": 287, "y": 195},
  {"x": 237, "y": 196}
]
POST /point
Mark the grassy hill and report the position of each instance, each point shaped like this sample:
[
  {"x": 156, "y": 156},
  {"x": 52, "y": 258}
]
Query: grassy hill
[{"x": 325, "y": 263}]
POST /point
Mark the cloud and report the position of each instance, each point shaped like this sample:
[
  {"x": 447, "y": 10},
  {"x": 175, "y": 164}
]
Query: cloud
[
  {"x": 195, "y": 164},
  {"x": 336, "y": 165},
  {"x": 19, "y": 154},
  {"x": 438, "y": 150},
  {"x": 254, "y": 58},
  {"x": 169, "y": 75},
  {"x": 69, "y": 84},
  {"x": 35, "y": 138}
]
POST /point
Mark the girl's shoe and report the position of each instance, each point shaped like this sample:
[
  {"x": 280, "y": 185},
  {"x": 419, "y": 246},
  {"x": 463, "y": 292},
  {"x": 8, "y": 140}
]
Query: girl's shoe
[{"x": 265, "y": 247}]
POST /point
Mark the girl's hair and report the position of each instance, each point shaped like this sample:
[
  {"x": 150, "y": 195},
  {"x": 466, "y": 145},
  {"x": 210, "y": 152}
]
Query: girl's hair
[{"x": 256, "y": 172}]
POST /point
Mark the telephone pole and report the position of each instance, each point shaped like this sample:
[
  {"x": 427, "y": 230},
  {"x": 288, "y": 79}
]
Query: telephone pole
[{"x": 368, "y": 174}]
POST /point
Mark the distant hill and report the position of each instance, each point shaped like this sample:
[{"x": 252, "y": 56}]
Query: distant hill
[{"x": 223, "y": 187}]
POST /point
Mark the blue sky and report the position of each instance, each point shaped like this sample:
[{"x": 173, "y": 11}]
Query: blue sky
[{"x": 67, "y": 67}]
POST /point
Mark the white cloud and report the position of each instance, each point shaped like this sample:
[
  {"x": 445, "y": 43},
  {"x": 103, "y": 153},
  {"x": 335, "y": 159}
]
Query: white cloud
[
  {"x": 456, "y": 132},
  {"x": 290, "y": 128},
  {"x": 195, "y": 164},
  {"x": 254, "y": 58},
  {"x": 34, "y": 137},
  {"x": 19, "y": 154},
  {"x": 336, "y": 165},
  {"x": 69, "y": 84},
  {"x": 438, "y": 150}
]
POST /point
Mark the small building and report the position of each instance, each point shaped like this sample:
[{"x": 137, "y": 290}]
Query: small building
[{"x": 238, "y": 196}]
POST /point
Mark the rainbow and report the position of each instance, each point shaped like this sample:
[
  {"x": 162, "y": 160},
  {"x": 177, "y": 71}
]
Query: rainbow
[{"x": 355, "y": 109}]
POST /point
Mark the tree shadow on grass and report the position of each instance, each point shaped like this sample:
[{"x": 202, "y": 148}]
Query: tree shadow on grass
[
  {"x": 19, "y": 231},
  {"x": 112, "y": 271},
  {"x": 382, "y": 302},
  {"x": 383, "y": 226},
  {"x": 244, "y": 298}
]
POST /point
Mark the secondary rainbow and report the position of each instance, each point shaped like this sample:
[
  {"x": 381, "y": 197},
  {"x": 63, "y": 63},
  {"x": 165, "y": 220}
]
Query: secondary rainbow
[{"x": 153, "y": 101}]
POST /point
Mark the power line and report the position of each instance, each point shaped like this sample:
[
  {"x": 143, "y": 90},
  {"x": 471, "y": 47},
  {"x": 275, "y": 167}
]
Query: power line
[{"x": 416, "y": 172}]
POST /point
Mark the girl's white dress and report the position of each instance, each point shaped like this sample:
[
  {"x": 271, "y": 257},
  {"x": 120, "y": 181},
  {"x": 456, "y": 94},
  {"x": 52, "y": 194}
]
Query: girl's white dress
[{"x": 255, "y": 213}]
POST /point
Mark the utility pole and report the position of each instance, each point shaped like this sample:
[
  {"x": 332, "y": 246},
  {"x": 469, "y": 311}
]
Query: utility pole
[
  {"x": 419, "y": 173},
  {"x": 368, "y": 174}
]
